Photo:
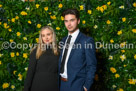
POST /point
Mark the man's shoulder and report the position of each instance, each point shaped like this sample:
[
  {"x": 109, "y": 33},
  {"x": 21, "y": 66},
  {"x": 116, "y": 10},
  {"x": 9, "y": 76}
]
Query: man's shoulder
[{"x": 85, "y": 37}]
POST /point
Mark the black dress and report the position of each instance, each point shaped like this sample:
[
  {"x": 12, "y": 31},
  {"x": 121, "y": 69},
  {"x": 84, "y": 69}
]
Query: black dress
[{"x": 42, "y": 74}]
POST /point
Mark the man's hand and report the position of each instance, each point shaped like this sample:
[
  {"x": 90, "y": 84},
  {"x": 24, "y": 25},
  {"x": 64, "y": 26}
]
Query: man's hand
[{"x": 85, "y": 89}]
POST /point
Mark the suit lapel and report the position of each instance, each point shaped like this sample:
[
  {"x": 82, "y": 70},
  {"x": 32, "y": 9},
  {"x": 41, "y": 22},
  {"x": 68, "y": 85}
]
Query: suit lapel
[{"x": 62, "y": 50}]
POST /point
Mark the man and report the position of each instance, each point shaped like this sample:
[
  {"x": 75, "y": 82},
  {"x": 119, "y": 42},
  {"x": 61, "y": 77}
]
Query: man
[{"x": 77, "y": 63}]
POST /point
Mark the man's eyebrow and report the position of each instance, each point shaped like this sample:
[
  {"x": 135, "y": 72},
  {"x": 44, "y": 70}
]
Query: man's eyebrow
[{"x": 70, "y": 19}]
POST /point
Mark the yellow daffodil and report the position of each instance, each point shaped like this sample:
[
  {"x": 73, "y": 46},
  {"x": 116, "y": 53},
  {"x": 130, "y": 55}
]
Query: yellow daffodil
[
  {"x": 132, "y": 81},
  {"x": 134, "y": 4},
  {"x": 100, "y": 45},
  {"x": 37, "y": 40},
  {"x": 62, "y": 18},
  {"x": 49, "y": 24},
  {"x": 121, "y": 7},
  {"x": 124, "y": 65},
  {"x": 110, "y": 57},
  {"x": 38, "y": 25},
  {"x": 122, "y": 45},
  {"x": 0, "y": 23},
  {"x": 20, "y": 77},
  {"x": 119, "y": 32},
  {"x": 109, "y": 3},
  {"x": 60, "y": 5},
  {"x": 122, "y": 51},
  {"x": 19, "y": 74},
  {"x": 23, "y": 13},
  {"x": 5, "y": 85},
  {"x": 0, "y": 62},
  {"x": 14, "y": 72},
  {"x": 29, "y": 22},
  {"x": 83, "y": 21},
  {"x": 37, "y": 5},
  {"x": 50, "y": 13},
  {"x": 122, "y": 57},
  {"x": 123, "y": 19},
  {"x": 18, "y": 33},
  {"x": 25, "y": 38},
  {"x": 117, "y": 75},
  {"x": 17, "y": 53},
  {"x": 135, "y": 56},
  {"x": 5, "y": 25},
  {"x": 12, "y": 54},
  {"x": 46, "y": 8},
  {"x": 89, "y": 11},
  {"x": 12, "y": 87},
  {"x": 134, "y": 30},
  {"x": 104, "y": 7},
  {"x": 1, "y": 55},
  {"x": 113, "y": 70},
  {"x": 98, "y": 8},
  {"x": 0, "y": 5},
  {"x": 17, "y": 17},
  {"x": 57, "y": 28},
  {"x": 108, "y": 22},
  {"x": 9, "y": 29},
  {"x": 81, "y": 7},
  {"x": 101, "y": 9},
  {"x": 11, "y": 40},
  {"x": 111, "y": 41},
  {"x": 53, "y": 17},
  {"x": 25, "y": 55},
  {"x": 13, "y": 20},
  {"x": 120, "y": 89},
  {"x": 95, "y": 26},
  {"x": 114, "y": 86}
]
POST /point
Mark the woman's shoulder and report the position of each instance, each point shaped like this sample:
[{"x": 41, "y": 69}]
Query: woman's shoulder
[{"x": 33, "y": 51}]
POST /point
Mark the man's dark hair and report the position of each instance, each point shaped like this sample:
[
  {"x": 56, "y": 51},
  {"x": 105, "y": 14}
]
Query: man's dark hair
[{"x": 71, "y": 11}]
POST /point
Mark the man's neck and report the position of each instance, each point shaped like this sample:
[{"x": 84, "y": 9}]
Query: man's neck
[{"x": 73, "y": 31}]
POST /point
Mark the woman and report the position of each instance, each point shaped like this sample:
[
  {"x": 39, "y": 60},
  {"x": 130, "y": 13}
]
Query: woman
[{"x": 43, "y": 64}]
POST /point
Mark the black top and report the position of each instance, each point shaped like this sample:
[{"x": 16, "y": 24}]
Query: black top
[{"x": 42, "y": 74}]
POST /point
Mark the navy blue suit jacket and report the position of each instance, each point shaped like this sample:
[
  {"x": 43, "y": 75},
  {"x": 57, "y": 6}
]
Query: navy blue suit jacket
[{"x": 81, "y": 64}]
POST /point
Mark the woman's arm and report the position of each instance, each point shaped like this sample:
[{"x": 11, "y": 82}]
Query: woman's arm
[{"x": 31, "y": 70}]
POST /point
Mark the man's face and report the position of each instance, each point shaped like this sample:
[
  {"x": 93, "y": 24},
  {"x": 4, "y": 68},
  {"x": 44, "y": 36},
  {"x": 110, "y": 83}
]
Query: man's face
[{"x": 71, "y": 22}]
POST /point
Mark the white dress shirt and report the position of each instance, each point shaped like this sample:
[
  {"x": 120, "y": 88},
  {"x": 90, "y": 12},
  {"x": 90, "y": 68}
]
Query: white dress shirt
[{"x": 73, "y": 38}]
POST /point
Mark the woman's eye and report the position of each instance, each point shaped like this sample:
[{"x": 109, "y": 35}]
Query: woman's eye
[
  {"x": 43, "y": 35},
  {"x": 48, "y": 34}
]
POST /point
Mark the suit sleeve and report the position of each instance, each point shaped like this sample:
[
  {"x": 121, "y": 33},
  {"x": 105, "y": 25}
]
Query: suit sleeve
[
  {"x": 31, "y": 70},
  {"x": 91, "y": 63}
]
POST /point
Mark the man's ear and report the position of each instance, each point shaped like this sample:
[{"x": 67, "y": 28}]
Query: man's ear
[{"x": 78, "y": 21}]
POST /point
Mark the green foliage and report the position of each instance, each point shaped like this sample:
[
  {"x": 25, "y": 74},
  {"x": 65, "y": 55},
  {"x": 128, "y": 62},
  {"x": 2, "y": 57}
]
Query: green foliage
[{"x": 109, "y": 22}]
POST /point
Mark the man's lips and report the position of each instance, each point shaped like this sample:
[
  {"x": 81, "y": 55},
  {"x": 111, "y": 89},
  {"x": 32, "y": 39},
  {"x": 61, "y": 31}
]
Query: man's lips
[{"x": 69, "y": 27}]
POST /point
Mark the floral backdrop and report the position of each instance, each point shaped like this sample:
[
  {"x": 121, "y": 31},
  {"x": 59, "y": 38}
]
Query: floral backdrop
[{"x": 112, "y": 24}]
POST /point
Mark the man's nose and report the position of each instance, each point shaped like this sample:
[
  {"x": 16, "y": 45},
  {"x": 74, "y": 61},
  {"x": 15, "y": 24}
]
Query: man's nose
[{"x": 69, "y": 23}]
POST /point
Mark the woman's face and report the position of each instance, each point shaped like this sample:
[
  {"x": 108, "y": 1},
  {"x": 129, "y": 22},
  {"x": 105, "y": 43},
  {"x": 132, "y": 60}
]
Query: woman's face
[{"x": 47, "y": 36}]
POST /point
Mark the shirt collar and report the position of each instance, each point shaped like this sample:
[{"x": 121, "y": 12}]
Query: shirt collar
[{"x": 74, "y": 35}]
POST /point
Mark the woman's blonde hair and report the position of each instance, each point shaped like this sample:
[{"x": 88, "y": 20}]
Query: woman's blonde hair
[{"x": 40, "y": 43}]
